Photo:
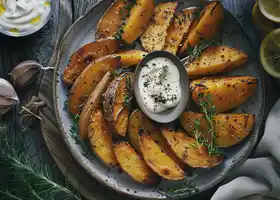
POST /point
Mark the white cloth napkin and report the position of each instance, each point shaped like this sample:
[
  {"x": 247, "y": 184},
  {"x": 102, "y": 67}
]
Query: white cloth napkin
[{"x": 259, "y": 177}]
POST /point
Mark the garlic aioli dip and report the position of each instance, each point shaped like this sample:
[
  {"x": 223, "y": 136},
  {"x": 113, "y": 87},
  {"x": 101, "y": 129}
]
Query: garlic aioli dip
[
  {"x": 23, "y": 15},
  {"x": 159, "y": 85}
]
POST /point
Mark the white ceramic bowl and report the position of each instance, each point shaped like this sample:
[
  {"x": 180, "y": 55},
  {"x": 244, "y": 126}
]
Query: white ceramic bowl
[{"x": 35, "y": 28}]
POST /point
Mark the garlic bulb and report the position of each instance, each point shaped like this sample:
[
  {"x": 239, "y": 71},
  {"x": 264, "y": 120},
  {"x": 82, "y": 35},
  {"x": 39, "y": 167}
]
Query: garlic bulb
[
  {"x": 25, "y": 73},
  {"x": 8, "y": 96}
]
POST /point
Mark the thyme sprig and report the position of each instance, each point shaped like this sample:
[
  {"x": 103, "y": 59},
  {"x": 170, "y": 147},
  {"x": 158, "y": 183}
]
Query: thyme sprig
[
  {"x": 187, "y": 188},
  {"x": 84, "y": 144},
  {"x": 125, "y": 13},
  {"x": 25, "y": 179},
  {"x": 128, "y": 97},
  {"x": 163, "y": 73},
  {"x": 195, "y": 52},
  {"x": 208, "y": 109}
]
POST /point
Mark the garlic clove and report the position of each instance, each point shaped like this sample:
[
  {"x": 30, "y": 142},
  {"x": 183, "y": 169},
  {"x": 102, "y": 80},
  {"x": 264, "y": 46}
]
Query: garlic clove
[
  {"x": 25, "y": 73},
  {"x": 8, "y": 96}
]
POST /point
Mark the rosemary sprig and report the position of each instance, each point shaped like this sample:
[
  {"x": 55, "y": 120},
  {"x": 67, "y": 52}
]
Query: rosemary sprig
[{"x": 23, "y": 178}]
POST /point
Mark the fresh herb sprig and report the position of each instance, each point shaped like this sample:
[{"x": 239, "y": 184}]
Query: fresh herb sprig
[
  {"x": 163, "y": 73},
  {"x": 84, "y": 144},
  {"x": 195, "y": 52},
  {"x": 187, "y": 188},
  {"x": 23, "y": 178},
  {"x": 128, "y": 97},
  {"x": 125, "y": 12},
  {"x": 208, "y": 109}
]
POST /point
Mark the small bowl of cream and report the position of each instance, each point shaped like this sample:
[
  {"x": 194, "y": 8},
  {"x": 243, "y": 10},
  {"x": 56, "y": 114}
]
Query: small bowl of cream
[
  {"x": 162, "y": 86},
  {"x": 24, "y": 17}
]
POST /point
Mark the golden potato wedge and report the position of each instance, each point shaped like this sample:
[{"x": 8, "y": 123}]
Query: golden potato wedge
[
  {"x": 138, "y": 20},
  {"x": 133, "y": 164},
  {"x": 154, "y": 36},
  {"x": 178, "y": 29},
  {"x": 92, "y": 103},
  {"x": 111, "y": 21},
  {"x": 226, "y": 93},
  {"x": 216, "y": 59},
  {"x": 116, "y": 103},
  {"x": 86, "y": 82},
  {"x": 231, "y": 129},
  {"x": 101, "y": 139},
  {"x": 131, "y": 57},
  {"x": 208, "y": 25},
  {"x": 186, "y": 149},
  {"x": 157, "y": 160},
  {"x": 85, "y": 55},
  {"x": 137, "y": 121}
]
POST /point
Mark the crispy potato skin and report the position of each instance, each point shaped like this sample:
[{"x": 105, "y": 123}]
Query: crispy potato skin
[
  {"x": 92, "y": 103},
  {"x": 185, "y": 148},
  {"x": 131, "y": 57},
  {"x": 154, "y": 36},
  {"x": 111, "y": 21},
  {"x": 86, "y": 55},
  {"x": 101, "y": 139},
  {"x": 86, "y": 82},
  {"x": 231, "y": 129},
  {"x": 137, "y": 121},
  {"x": 157, "y": 160},
  {"x": 138, "y": 20},
  {"x": 209, "y": 23},
  {"x": 133, "y": 164},
  {"x": 226, "y": 93},
  {"x": 206, "y": 27},
  {"x": 178, "y": 29},
  {"x": 216, "y": 59},
  {"x": 116, "y": 111}
]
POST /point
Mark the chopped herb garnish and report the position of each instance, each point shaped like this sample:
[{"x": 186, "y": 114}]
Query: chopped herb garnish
[{"x": 187, "y": 188}]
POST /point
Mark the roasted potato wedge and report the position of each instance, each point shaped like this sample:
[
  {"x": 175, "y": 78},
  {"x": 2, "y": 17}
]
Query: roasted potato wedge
[
  {"x": 178, "y": 29},
  {"x": 138, "y": 20},
  {"x": 111, "y": 21},
  {"x": 230, "y": 128},
  {"x": 85, "y": 55},
  {"x": 226, "y": 93},
  {"x": 216, "y": 59},
  {"x": 86, "y": 82},
  {"x": 116, "y": 103},
  {"x": 137, "y": 121},
  {"x": 101, "y": 139},
  {"x": 133, "y": 164},
  {"x": 186, "y": 149},
  {"x": 157, "y": 160},
  {"x": 131, "y": 57},
  {"x": 92, "y": 103},
  {"x": 208, "y": 25},
  {"x": 154, "y": 36}
]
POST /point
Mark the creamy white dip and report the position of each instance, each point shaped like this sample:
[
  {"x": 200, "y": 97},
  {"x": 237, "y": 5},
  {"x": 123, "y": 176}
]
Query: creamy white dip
[
  {"x": 23, "y": 15},
  {"x": 159, "y": 85}
]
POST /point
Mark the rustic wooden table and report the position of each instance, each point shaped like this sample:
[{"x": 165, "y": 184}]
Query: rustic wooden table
[{"x": 42, "y": 47}]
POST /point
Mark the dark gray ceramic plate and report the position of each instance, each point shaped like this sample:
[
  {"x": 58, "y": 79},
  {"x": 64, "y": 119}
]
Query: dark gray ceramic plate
[{"x": 81, "y": 33}]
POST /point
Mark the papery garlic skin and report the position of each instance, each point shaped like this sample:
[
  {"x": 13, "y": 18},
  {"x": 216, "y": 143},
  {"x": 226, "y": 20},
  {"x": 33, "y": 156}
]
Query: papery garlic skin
[
  {"x": 25, "y": 73},
  {"x": 8, "y": 96}
]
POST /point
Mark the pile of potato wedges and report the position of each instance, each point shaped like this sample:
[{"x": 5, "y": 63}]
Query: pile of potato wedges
[{"x": 100, "y": 76}]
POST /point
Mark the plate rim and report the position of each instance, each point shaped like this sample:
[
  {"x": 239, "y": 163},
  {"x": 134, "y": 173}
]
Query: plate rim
[{"x": 76, "y": 156}]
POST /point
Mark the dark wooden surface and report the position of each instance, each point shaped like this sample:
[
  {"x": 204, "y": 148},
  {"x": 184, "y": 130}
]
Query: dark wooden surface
[{"x": 42, "y": 47}]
